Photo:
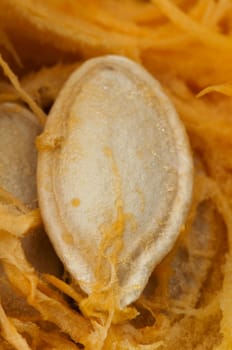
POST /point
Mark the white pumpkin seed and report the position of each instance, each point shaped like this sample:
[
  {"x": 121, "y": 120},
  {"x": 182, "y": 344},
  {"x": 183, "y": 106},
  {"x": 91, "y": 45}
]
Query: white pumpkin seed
[
  {"x": 18, "y": 158},
  {"x": 114, "y": 176}
]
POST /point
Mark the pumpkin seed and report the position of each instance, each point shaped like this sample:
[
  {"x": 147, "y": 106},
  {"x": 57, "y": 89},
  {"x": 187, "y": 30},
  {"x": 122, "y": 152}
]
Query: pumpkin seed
[
  {"x": 114, "y": 176},
  {"x": 18, "y": 159}
]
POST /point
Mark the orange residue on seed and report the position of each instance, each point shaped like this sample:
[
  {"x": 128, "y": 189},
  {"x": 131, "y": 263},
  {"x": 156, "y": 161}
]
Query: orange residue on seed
[
  {"x": 75, "y": 202},
  {"x": 132, "y": 222},
  {"x": 142, "y": 198},
  {"x": 48, "y": 142},
  {"x": 68, "y": 238},
  {"x": 105, "y": 291}
]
